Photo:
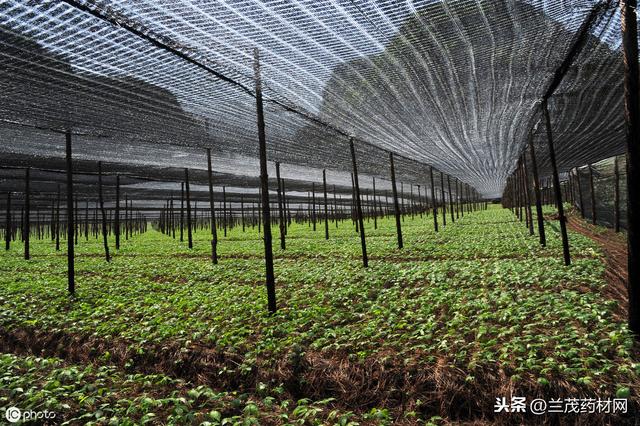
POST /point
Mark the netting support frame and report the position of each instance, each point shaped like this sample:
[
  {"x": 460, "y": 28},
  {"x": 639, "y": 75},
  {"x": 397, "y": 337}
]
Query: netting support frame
[
  {"x": 212, "y": 212},
  {"x": 26, "y": 228},
  {"x": 556, "y": 186},
  {"x": 264, "y": 188},
  {"x": 632, "y": 127},
  {"x": 360, "y": 221},
  {"x": 536, "y": 191},
  {"x": 396, "y": 206},
  {"x": 433, "y": 200},
  {"x": 71, "y": 285}
]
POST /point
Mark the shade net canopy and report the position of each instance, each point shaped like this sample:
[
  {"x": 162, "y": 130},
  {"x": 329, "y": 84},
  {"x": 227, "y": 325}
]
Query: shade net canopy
[{"x": 146, "y": 86}]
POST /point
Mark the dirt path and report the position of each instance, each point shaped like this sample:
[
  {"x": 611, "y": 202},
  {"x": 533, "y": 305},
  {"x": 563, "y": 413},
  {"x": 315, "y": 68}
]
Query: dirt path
[{"x": 614, "y": 247}]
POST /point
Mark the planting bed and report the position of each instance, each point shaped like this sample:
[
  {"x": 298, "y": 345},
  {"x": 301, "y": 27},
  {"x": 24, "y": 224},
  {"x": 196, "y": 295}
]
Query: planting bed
[{"x": 432, "y": 333}]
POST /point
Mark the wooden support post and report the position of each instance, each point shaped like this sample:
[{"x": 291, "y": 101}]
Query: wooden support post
[
  {"x": 396, "y": 206},
  {"x": 280, "y": 208},
  {"x": 57, "y": 214},
  {"x": 188, "y": 193},
  {"x": 433, "y": 200},
  {"x": 580, "y": 199},
  {"x": 212, "y": 210},
  {"x": 352, "y": 204},
  {"x": 616, "y": 196},
  {"x": 461, "y": 197},
  {"x": 356, "y": 185},
  {"x": 103, "y": 213},
  {"x": 71, "y": 285},
  {"x": 26, "y": 230},
  {"x": 402, "y": 209},
  {"x": 457, "y": 200},
  {"x": 527, "y": 191},
  {"x": 242, "y": 212},
  {"x": 181, "y": 211},
  {"x": 593, "y": 196},
  {"x": 628, "y": 10},
  {"x": 453, "y": 219},
  {"x": 444, "y": 205},
  {"x": 536, "y": 192},
  {"x": 335, "y": 206},
  {"x": 518, "y": 192},
  {"x": 7, "y": 225},
  {"x": 172, "y": 218},
  {"x": 127, "y": 226},
  {"x": 313, "y": 204},
  {"x": 556, "y": 185},
  {"x": 225, "y": 221},
  {"x": 264, "y": 185},
  {"x": 326, "y": 205},
  {"x": 76, "y": 220},
  {"x": 117, "y": 213},
  {"x": 375, "y": 212}
]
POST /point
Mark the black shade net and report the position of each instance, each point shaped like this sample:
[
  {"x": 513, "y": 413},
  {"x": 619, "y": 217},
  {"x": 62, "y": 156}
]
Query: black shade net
[{"x": 146, "y": 86}]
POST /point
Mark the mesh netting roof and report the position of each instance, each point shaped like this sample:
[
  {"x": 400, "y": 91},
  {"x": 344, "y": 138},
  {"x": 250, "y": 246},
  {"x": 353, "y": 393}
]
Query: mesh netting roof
[{"x": 145, "y": 86}]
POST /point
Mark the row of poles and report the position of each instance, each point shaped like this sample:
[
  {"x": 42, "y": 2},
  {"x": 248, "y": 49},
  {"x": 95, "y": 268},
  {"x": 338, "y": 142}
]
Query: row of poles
[
  {"x": 466, "y": 199},
  {"x": 173, "y": 216},
  {"x": 576, "y": 196},
  {"x": 524, "y": 189},
  {"x": 375, "y": 205},
  {"x": 519, "y": 195},
  {"x": 49, "y": 220}
]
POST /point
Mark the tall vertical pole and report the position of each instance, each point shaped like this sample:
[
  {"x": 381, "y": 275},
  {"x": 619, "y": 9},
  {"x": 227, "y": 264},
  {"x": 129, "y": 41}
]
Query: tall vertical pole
[
  {"x": 402, "y": 209},
  {"x": 592, "y": 189},
  {"x": 212, "y": 210},
  {"x": 396, "y": 206},
  {"x": 188, "y": 192},
  {"x": 632, "y": 126},
  {"x": 7, "y": 225},
  {"x": 57, "y": 238},
  {"x": 616, "y": 196},
  {"x": 242, "y": 211},
  {"x": 27, "y": 214},
  {"x": 283, "y": 245},
  {"x": 126, "y": 217},
  {"x": 326, "y": 207},
  {"x": 117, "y": 218},
  {"x": 527, "y": 191},
  {"x": 71, "y": 284},
  {"x": 356, "y": 185},
  {"x": 335, "y": 206},
  {"x": 580, "y": 199},
  {"x": 457, "y": 199},
  {"x": 313, "y": 204},
  {"x": 181, "y": 211},
  {"x": 102, "y": 211},
  {"x": 353, "y": 202},
  {"x": 461, "y": 197},
  {"x": 375, "y": 211},
  {"x": 264, "y": 186},
  {"x": 453, "y": 219},
  {"x": 536, "y": 192},
  {"x": 76, "y": 220},
  {"x": 171, "y": 218},
  {"x": 556, "y": 185},
  {"x": 444, "y": 205},
  {"x": 433, "y": 200},
  {"x": 224, "y": 210}
]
